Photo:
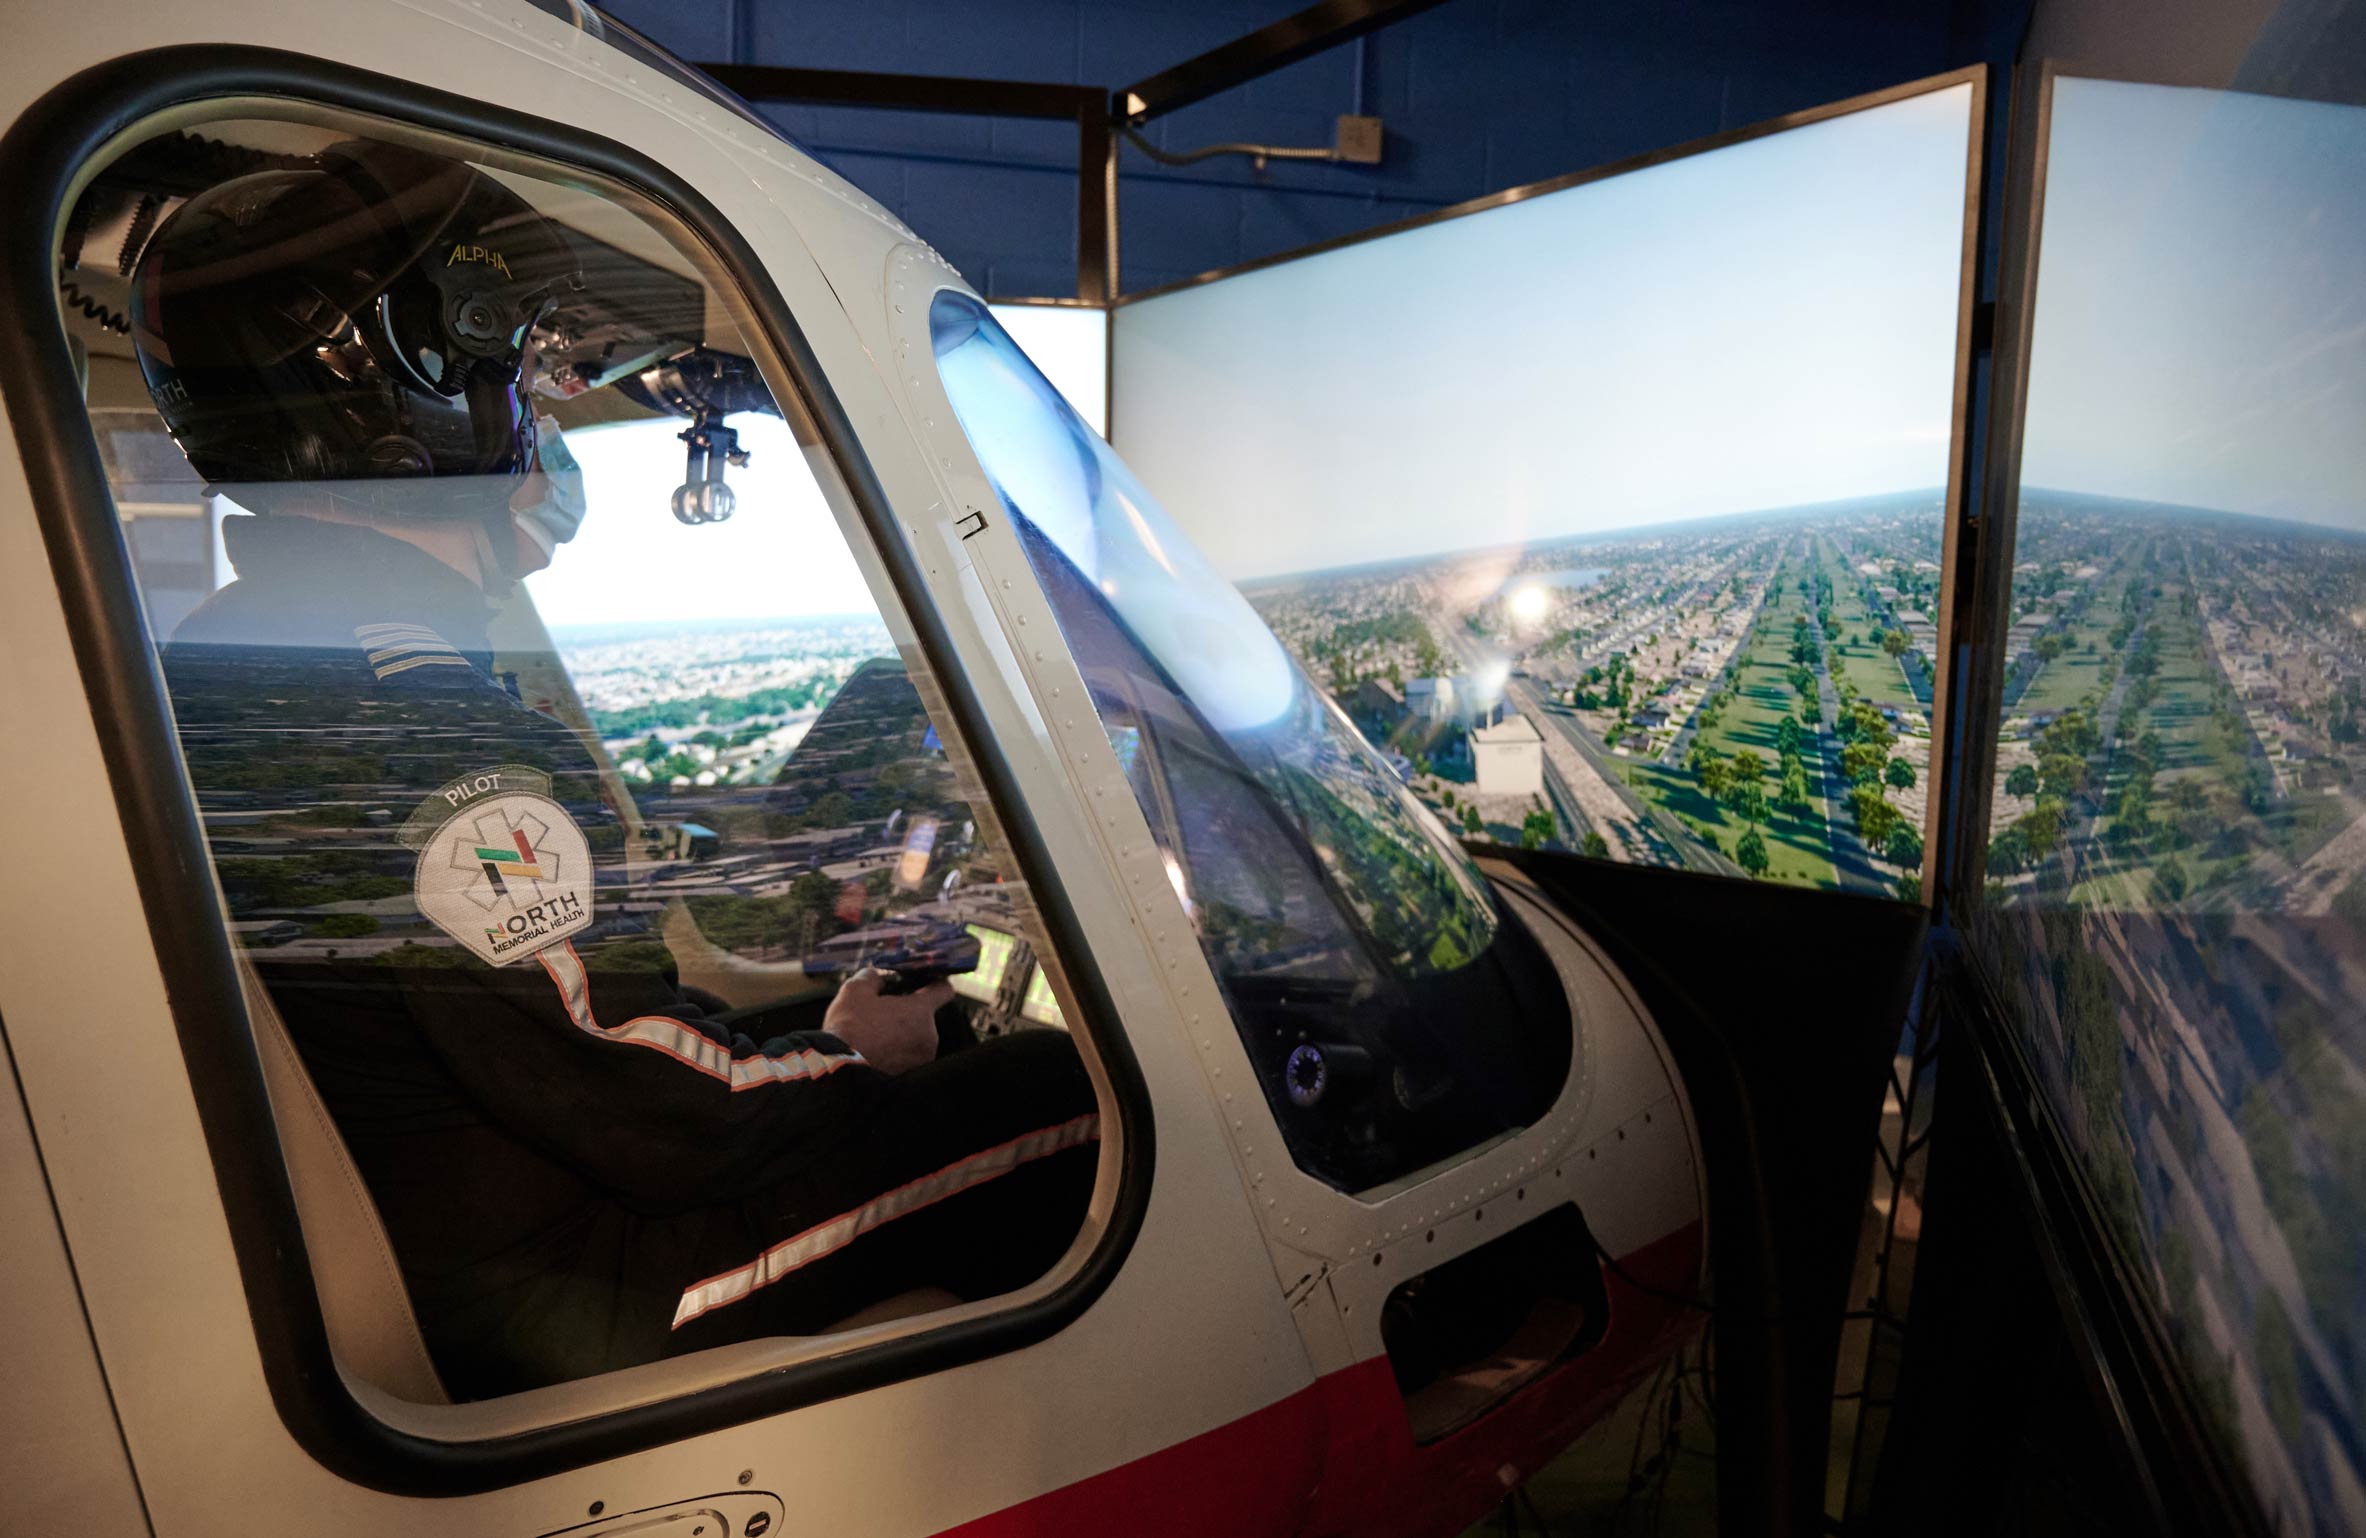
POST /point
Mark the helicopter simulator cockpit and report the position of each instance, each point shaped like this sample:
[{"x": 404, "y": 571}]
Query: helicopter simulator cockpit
[
  {"x": 725, "y": 883},
  {"x": 651, "y": 974},
  {"x": 651, "y": 895}
]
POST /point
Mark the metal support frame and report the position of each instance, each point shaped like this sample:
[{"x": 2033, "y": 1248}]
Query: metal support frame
[
  {"x": 1086, "y": 106},
  {"x": 1098, "y": 114},
  {"x": 1321, "y": 26},
  {"x": 1884, "y": 1308}
]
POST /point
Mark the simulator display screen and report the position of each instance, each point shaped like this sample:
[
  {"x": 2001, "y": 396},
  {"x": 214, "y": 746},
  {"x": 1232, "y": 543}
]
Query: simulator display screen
[
  {"x": 2176, "y": 892},
  {"x": 1612, "y": 515},
  {"x": 1070, "y": 344}
]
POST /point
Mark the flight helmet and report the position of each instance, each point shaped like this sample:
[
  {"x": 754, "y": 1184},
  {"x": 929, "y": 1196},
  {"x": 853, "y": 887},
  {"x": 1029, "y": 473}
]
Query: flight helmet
[{"x": 359, "y": 326}]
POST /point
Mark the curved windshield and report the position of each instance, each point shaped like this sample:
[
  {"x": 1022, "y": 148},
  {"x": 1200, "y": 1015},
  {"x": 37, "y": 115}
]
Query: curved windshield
[{"x": 1395, "y": 1015}]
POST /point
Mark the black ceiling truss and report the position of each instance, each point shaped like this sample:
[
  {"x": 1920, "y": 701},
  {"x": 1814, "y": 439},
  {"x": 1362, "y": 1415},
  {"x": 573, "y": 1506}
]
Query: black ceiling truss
[
  {"x": 1088, "y": 108},
  {"x": 1100, "y": 115},
  {"x": 1261, "y": 52}
]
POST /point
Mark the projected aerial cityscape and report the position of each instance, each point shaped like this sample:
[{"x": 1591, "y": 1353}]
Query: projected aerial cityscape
[
  {"x": 2184, "y": 709},
  {"x": 2177, "y": 876},
  {"x": 1745, "y": 695},
  {"x": 2177, "y": 857}
]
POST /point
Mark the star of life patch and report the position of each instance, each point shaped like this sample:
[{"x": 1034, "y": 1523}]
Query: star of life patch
[{"x": 502, "y": 868}]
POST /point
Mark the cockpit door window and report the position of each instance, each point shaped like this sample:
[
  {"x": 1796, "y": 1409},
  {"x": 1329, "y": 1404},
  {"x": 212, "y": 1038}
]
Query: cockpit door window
[{"x": 569, "y": 770}]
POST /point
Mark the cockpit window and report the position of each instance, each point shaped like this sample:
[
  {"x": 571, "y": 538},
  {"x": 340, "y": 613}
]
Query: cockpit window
[
  {"x": 1411, "y": 887},
  {"x": 588, "y": 822},
  {"x": 1397, "y": 1016}
]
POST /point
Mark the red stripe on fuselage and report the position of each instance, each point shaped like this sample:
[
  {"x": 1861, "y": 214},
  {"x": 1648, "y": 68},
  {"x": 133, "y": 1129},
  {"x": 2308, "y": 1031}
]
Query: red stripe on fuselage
[{"x": 1338, "y": 1458}]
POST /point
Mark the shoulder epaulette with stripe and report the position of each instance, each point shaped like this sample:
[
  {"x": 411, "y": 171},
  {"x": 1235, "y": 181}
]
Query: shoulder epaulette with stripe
[{"x": 393, "y": 648}]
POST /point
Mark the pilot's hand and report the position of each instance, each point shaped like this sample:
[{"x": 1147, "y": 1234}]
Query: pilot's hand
[{"x": 894, "y": 1032}]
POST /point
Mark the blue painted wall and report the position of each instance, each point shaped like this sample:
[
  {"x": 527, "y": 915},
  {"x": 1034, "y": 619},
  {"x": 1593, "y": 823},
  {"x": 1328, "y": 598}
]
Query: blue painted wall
[{"x": 1477, "y": 95}]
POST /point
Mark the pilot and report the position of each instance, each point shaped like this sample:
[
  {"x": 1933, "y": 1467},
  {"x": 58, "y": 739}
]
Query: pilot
[{"x": 579, "y": 1168}]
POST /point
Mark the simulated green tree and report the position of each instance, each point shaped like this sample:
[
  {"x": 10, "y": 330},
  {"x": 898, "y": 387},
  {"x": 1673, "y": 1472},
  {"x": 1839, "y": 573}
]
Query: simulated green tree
[
  {"x": 1596, "y": 845},
  {"x": 2006, "y": 852},
  {"x": 1537, "y": 830},
  {"x": 1900, "y": 774},
  {"x": 2061, "y": 775},
  {"x": 1875, "y": 817},
  {"x": 812, "y": 904},
  {"x": 1904, "y": 845},
  {"x": 1862, "y": 763},
  {"x": 2041, "y": 829},
  {"x": 1750, "y": 853},
  {"x": 1895, "y": 642},
  {"x": 1867, "y": 724},
  {"x": 1472, "y": 823},
  {"x": 2132, "y": 808},
  {"x": 2022, "y": 781},
  {"x": 2072, "y": 733}
]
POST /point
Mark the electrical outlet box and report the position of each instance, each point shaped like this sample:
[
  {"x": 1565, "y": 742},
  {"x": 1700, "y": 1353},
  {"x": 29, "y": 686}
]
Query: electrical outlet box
[{"x": 1359, "y": 140}]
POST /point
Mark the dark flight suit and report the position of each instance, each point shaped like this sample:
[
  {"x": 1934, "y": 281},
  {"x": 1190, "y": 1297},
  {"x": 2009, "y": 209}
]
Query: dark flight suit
[{"x": 578, "y": 1168}]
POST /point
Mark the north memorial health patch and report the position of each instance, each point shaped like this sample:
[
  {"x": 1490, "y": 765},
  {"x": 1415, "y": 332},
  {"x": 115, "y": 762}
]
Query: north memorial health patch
[{"x": 507, "y": 872}]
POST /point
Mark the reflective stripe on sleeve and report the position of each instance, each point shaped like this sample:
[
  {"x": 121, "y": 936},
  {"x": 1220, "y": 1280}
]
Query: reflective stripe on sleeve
[
  {"x": 836, "y": 1233},
  {"x": 691, "y": 1048}
]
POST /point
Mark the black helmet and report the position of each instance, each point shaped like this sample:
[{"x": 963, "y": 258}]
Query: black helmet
[{"x": 360, "y": 321}]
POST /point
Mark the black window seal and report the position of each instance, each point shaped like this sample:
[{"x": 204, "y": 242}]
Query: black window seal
[{"x": 39, "y": 157}]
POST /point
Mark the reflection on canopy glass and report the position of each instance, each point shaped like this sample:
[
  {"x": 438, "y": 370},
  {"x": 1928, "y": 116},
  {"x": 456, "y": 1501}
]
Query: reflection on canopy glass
[
  {"x": 1396, "y": 1016},
  {"x": 556, "y": 762},
  {"x": 2176, "y": 894}
]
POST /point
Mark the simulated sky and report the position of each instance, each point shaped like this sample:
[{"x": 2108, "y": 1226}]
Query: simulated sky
[
  {"x": 1070, "y": 345},
  {"x": 1761, "y": 326},
  {"x": 781, "y": 555},
  {"x": 2201, "y": 308}
]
